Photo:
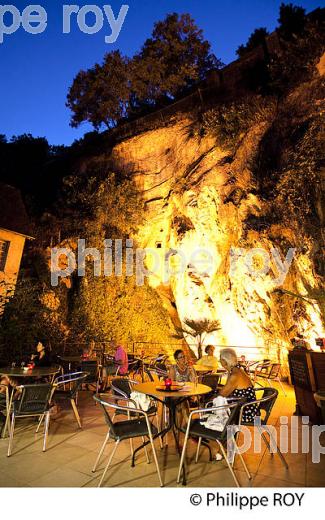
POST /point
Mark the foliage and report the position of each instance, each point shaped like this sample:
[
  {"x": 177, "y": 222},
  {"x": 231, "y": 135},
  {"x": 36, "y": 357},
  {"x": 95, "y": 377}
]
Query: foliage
[
  {"x": 26, "y": 320},
  {"x": 297, "y": 57},
  {"x": 106, "y": 206},
  {"x": 298, "y": 181},
  {"x": 198, "y": 329},
  {"x": 101, "y": 94},
  {"x": 34, "y": 167},
  {"x": 173, "y": 59},
  {"x": 229, "y": 122},
  {"x": 292, "y": 21},
  {"x": 115, "y": 307},
  {"x": 256, "y": 38}
]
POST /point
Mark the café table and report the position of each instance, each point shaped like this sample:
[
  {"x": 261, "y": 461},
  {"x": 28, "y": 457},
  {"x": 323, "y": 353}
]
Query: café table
[
  {"x": 71, "y": 360},
  {"x": 36, "y": 372},
  {"x": 206, "y": 368},
  {"x": 202, "y": 368},
  {"x": 171, "y": 399}
]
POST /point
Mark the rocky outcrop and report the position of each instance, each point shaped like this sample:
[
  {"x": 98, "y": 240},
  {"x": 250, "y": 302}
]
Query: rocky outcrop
[{"x": 203, "y": 196}]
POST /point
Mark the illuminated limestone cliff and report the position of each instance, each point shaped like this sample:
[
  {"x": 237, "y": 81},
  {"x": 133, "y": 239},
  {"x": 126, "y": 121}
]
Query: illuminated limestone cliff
[
  {"x": 199, "y": 194},
  {"x": 240, "y": 175}
]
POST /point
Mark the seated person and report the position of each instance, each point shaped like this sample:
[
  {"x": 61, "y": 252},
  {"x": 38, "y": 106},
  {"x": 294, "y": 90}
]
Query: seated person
[
  {"x": 7, "y": 381},
  {"x": 181, "y": 372},
  {"x": 238, "y": 383},
  {"x": 11, "y": 384},
  {"x": 209, "y": 360},
  {"x": 42, "y": 358},
  {"x": 121, "y": 359}
]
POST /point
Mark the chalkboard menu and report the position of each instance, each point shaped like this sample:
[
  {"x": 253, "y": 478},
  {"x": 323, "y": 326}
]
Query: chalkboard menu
[
  {"x": 307, "y": 371},
  {"x": 318, "y": 363},
  {"x": 299, "y": 369}
]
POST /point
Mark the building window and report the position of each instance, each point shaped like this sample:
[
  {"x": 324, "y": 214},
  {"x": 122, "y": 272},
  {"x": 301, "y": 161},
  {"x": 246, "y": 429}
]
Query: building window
[{"x": 4, "y": 248}]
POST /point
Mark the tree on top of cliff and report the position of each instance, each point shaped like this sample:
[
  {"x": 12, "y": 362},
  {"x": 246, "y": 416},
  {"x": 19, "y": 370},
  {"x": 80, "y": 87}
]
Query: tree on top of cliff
[
  {"x": 101, "y": 94},
  {"x": 256, "y": 38},
  {"x": 171, "y": 61},
  {"x": 292, "y": 20}
]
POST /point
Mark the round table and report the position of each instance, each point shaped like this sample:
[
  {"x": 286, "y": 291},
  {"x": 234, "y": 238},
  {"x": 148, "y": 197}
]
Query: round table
[
  {"x": 151, "y": 390},
  {"x": 171, "y": 400},
  {"x": 37, "y": 372},
  {"x": 202, "y": 368},
  {"x": 205, "y": 368},
  {"x": 71, "y": 360}
]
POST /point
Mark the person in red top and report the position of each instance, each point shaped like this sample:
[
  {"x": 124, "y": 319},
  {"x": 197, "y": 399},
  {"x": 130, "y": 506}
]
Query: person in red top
[{"x": 121, "y": 359}]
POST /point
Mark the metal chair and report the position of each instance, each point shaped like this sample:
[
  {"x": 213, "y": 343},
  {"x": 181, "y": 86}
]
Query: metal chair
[
  {"x": 123, "y": 430},
  {"x": 270, "y": 372},
  {"x": 4, "y": 407},
  {"x": 112, "y": 367},
  {"x": 123, "y": 387},
  {"x": 265, "y": 405},
  {"x": 74, "y": 382},
  {"x": 211, "y": 380},
  {"x": 199, "y": 431},
  {"x": 134, "y": 366},
  {"x": 93, "y": 373},
  {"x": 34, "y": 402}
]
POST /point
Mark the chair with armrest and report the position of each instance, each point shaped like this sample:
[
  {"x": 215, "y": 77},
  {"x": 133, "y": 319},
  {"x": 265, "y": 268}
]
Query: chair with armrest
[
  {"x": 34, "y": 402},
  {"x": 213, "y": 381},
  {"x": 92, "y": 368},
  {"x": 124, "y": 387},
  {"x": 265, "y": 405},
  {"x": 199, "y": 431},
  {"x": 66, "y": 388},
  {"x": 4, "y": 408},
  {"x": 270, "y": 372},
  {"x": 140, "y": 426}
]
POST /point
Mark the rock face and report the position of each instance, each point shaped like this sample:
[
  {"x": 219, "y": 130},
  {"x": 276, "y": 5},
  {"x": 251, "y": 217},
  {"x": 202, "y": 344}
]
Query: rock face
[{"x": 201, "y": 196}]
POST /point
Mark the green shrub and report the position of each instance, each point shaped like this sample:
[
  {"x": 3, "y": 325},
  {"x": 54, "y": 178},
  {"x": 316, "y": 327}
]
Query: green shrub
[{"x": 229, "y": 122}]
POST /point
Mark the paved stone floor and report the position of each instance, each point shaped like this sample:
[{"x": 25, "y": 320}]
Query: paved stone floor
[{"x": 71, "y": 454}]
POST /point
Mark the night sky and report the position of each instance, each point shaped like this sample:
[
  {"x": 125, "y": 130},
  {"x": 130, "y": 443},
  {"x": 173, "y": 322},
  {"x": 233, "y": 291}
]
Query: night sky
[{"x": 37, "y": 70}]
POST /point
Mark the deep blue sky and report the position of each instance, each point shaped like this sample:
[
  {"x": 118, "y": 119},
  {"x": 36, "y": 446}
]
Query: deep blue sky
[{"x": 37, "y": 70}]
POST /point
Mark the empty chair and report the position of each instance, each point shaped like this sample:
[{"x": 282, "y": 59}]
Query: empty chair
[
  {"x": 199, "y": 431},
  {"x": 265, "y": 405},
  {"x": 66, "y": 389},
  {"x": 4, "y": 408},
  {"x": 123, "y": 430},
  {"x": 124, "y": 387},
  {"x": 34, "y": 402},
  {"x": 270, "y": 372}
]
